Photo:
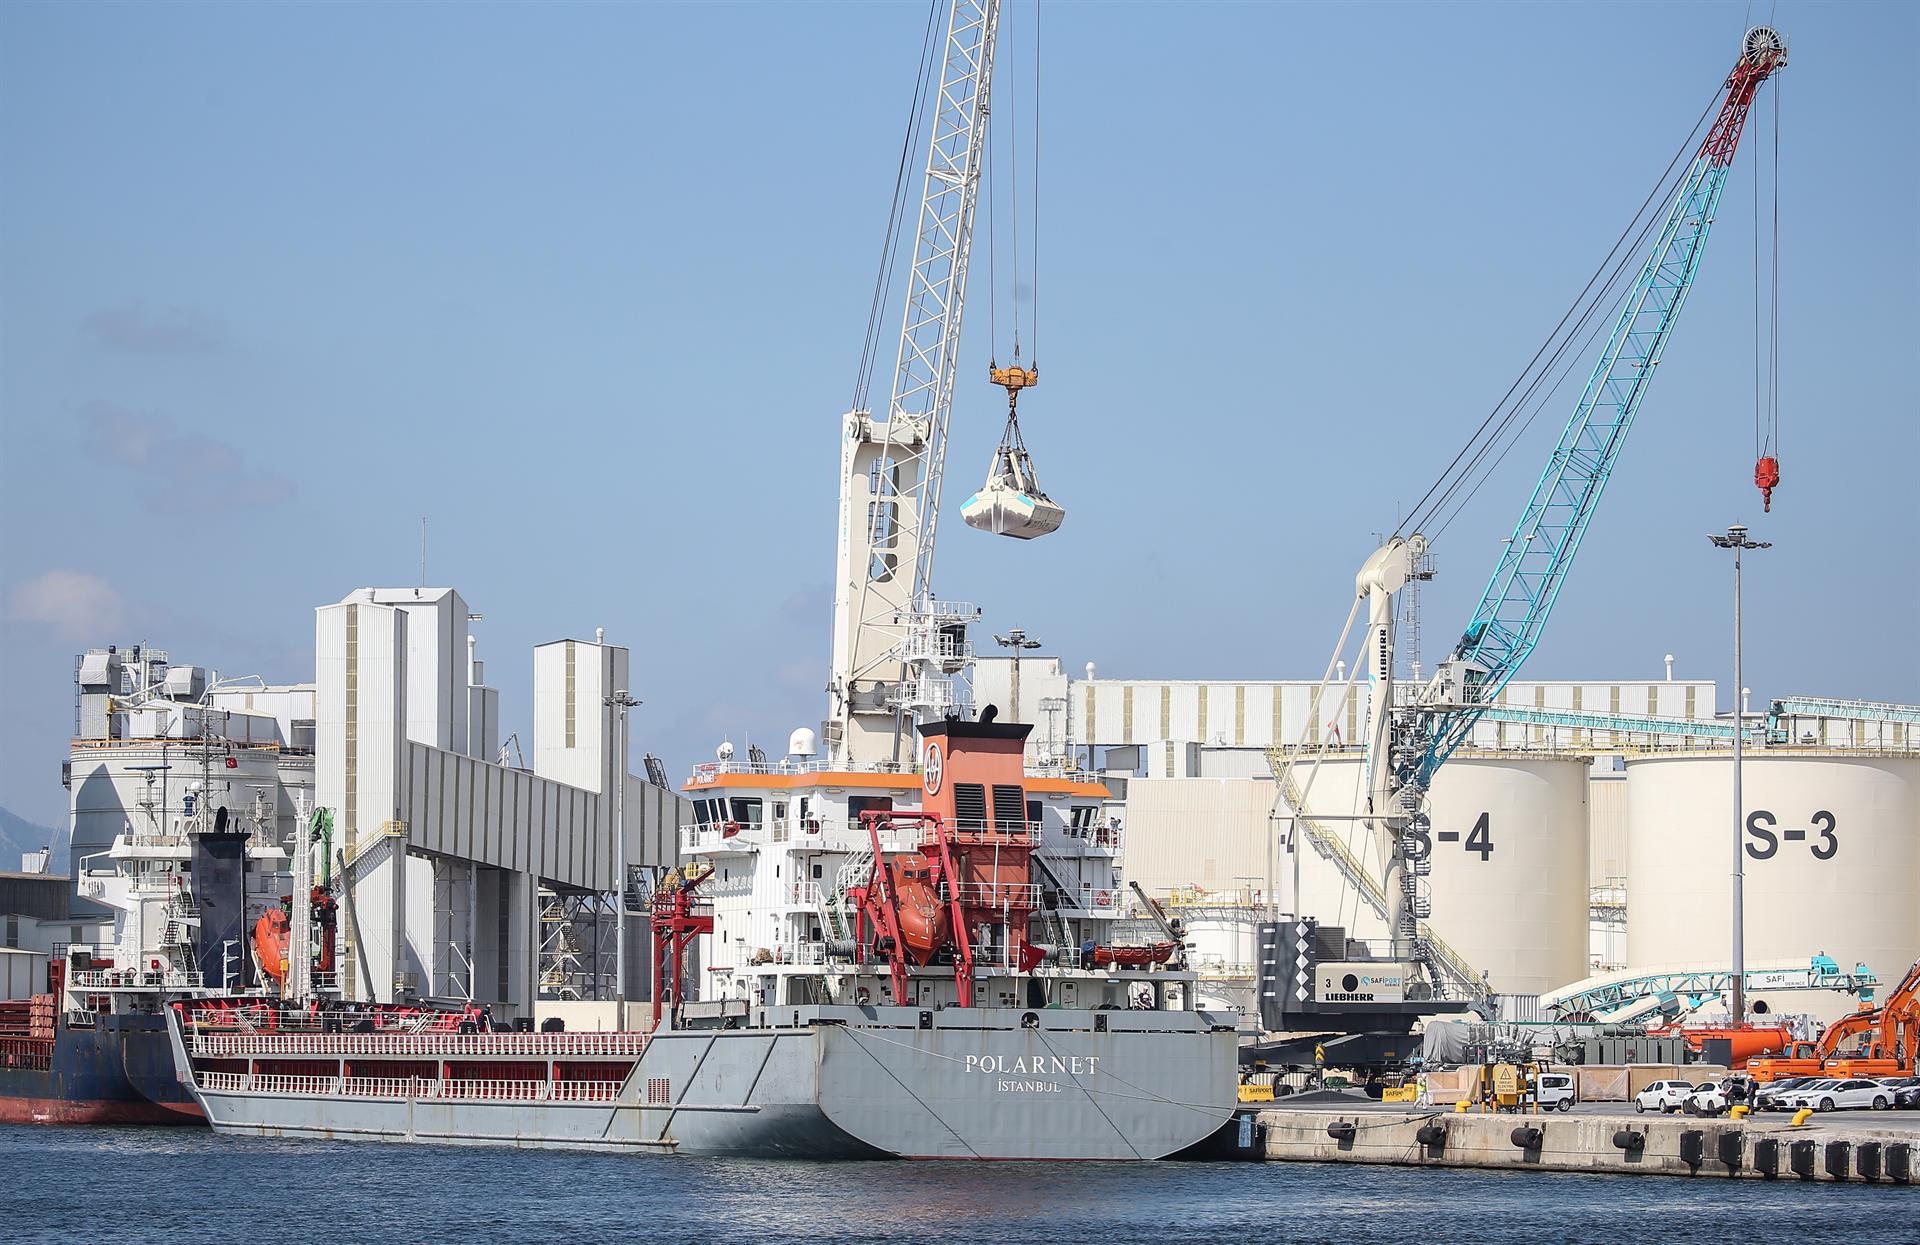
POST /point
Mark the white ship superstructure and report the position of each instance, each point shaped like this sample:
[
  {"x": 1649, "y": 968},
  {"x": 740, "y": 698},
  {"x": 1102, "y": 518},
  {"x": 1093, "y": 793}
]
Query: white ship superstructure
[{"x": 786, "y": 844}]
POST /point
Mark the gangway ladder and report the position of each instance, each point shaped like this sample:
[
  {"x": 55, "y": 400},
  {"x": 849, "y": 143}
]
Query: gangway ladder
[{"x": 1446, "y": 969}]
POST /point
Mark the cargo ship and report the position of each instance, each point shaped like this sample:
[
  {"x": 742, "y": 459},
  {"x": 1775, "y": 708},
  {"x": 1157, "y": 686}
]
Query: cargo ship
[
  {"x": 94, "y": 1048},
  {"x": 922, "y": 961}
]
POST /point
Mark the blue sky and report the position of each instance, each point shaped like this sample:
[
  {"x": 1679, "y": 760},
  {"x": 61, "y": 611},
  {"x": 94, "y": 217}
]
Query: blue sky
[{"x": 586, "y": 284}]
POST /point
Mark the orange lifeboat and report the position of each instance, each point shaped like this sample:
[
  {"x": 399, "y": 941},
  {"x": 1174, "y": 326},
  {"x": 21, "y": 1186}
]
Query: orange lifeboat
[
  {"x": 271, "y": 935},
  {"x": 916, "y": 896}
]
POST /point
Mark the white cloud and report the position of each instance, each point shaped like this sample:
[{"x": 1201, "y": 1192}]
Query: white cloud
[
  {"x": 170, "y": 330},
  {"x": 76, "y": 604},
  {"x": 188, "y": 473}
]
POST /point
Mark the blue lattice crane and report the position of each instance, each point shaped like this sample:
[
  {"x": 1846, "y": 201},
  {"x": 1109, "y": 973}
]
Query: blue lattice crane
[{"x": 1407, "y": 746}]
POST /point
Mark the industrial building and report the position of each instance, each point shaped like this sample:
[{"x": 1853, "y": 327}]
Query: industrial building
[{"x": 460, "y": 877}]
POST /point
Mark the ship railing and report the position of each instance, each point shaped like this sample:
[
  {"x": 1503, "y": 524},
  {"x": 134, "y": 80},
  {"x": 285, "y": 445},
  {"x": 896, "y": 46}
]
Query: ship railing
[
  {"x": 707, "y": 772},
  {"x": 1105, "y": 839},
  {"x": 423, "y": 1045},
  {"x": 414, "y": 1087},
  {"x": 996, "y": 894},
  {"x": 697, "y": 837},
  {"x": 989, "y": 832},
  {"x": 1087, "y": 897},
  {"x": 806, "y": 894},
  {"x": 137, "y": 978}
]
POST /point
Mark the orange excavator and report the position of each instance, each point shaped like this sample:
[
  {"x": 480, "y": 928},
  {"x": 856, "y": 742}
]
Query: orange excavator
[{"x": 1879, "y": 1041}]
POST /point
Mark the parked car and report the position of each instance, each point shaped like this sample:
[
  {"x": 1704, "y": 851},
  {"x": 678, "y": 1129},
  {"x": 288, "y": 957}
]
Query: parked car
[
  {"x": 1832, "y": 1095},
  {"x": 1794, "y": 1099},
  {"x": 1555, "y": 1090},
  {"x": 1709, "y": 1098},
  {"x": 1906, "y": 1091},
  {"x": 1773, "y": 1096},
  {"x": 1663, "y": 1096}
]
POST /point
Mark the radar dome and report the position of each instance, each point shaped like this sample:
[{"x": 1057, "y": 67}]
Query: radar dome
[{"x": 803, "y": 743}]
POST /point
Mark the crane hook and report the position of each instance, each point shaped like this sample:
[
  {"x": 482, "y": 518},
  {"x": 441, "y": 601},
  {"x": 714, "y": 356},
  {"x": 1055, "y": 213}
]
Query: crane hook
[{"x": 1766, "y": 476}]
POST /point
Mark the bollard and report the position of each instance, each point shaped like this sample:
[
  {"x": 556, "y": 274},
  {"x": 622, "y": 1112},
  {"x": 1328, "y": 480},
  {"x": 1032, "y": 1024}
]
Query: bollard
[
  {"x": 1802, "y": 1116},
  {"x": 1728, "y": 1148},
  {"x": 1630, "y": 1141},
  {"x": 1693, "y": 1147},
  {"x": 1800, "y": 1158},
  {"x": 1740, "y": 1112},
  {"x": 1766, "y": 1157},
  {"x": 1900, "y": 1162},
  {"x": 1866, "y": 1160},
  {"x": 1837, "y": 1159},
  {"x": 1526, "y": 1137},
  {"x": 1461, "y": 1107}
]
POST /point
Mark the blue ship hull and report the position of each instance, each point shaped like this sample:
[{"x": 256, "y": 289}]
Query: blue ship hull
[{"x": 120, "y": 1071}]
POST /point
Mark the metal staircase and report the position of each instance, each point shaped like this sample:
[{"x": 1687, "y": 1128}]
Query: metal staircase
[
  {"x": 1449, "y": 972},
  {"x": 835, "y": 918}
]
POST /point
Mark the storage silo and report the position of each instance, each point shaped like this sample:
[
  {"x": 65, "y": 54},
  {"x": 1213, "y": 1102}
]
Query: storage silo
[
  {"x": 1509, "y": 861},
  {"x": 1832, "y": 859}
]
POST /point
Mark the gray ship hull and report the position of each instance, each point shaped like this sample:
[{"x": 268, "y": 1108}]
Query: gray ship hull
[{"x": 819, "y": 1082}]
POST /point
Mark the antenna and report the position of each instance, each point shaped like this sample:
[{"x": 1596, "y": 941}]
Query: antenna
[{"x": 423, "y": 551}]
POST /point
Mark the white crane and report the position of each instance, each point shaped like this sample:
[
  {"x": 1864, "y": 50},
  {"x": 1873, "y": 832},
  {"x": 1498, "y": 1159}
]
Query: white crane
[{"x": 896, "y": 650}]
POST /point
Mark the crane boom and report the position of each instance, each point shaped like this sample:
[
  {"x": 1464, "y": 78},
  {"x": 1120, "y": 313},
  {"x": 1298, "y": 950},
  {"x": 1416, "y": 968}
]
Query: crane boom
[
  {"x": 892, "y": 468},
  {"x": 1513, "y": 609},
  {"x": 1406, "y": 746}
]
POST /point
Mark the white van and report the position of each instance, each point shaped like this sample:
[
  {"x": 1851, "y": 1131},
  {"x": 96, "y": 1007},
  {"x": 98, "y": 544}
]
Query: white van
[{"x": 1555, "y": 1089}]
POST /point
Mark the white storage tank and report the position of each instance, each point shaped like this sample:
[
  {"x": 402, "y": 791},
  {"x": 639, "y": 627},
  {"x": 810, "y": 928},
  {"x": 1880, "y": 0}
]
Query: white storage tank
[
  {"x": 1509, "y": 883},
  {"x": 1832, "y": 843}
]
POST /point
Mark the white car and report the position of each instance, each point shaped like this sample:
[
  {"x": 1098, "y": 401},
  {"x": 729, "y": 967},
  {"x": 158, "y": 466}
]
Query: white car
[
  {"x": 1834, "y": 1095},
  {"x": 1663, "y": 1096},
  {"x": 1555, "y": 1089},
  {"x": 1707, "y": 1099}
]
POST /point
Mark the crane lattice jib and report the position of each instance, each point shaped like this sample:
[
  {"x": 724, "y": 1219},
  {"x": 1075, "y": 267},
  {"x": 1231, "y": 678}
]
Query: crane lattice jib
[
  {"x": 1533, "y": 566},
  {"x": 936, "y": 290}
]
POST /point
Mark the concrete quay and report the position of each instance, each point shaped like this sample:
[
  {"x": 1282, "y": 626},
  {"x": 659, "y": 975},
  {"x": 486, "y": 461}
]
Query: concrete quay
[{"x": 1832, "y": 1148}]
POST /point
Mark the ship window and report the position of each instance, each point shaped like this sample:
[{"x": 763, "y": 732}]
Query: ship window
[
  {"x": 816, "y": 871},
  {"x": 970, "y": 805},
  {"x": 780, "y": 811},
  {"x": 746, "y": 811},
  {"x": 1035, "y": 813},
  {"x": 1009, "y": 805},
  {"x": 858, "y": 804}
]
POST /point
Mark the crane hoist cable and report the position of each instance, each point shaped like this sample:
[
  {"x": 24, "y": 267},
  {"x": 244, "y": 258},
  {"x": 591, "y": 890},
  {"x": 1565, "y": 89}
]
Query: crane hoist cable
[
  {"x": 1766, "y": 377},
  {"x": 1011, "y": 501},
  {"x": 897, "y": 212},
  {"x": 1599, "y": 293}
]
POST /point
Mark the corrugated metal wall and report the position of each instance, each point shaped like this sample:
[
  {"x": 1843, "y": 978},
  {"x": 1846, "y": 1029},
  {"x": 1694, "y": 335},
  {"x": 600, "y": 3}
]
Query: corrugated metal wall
[{"x": 1195, "y": 832}]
